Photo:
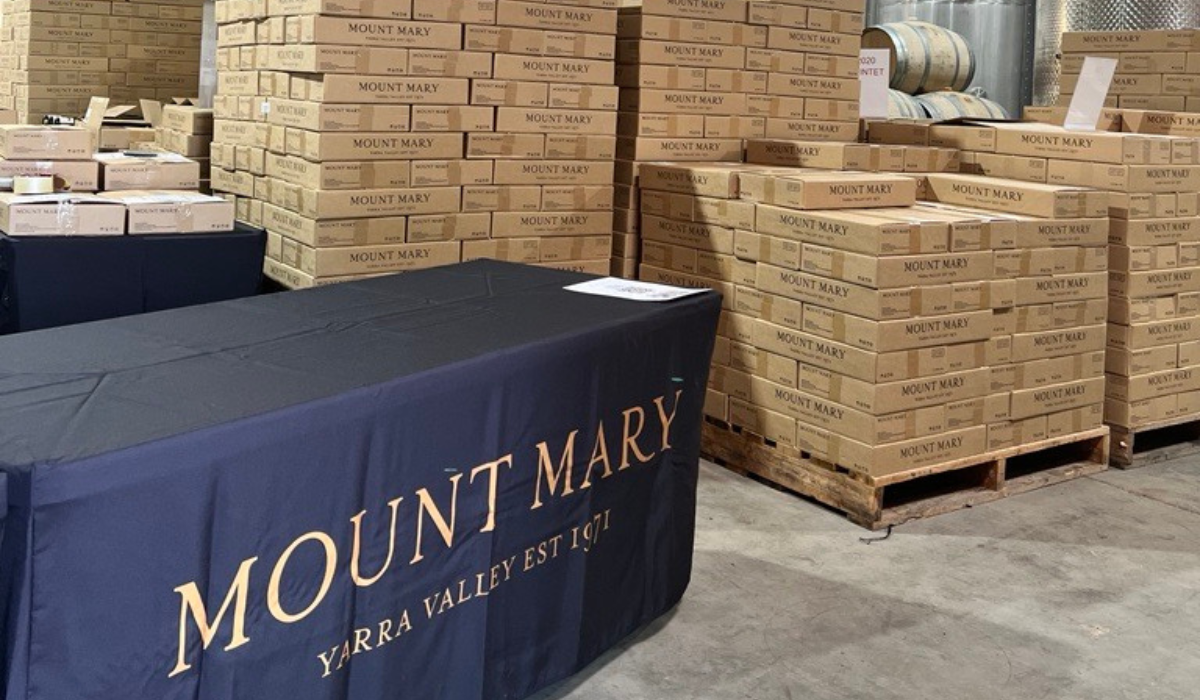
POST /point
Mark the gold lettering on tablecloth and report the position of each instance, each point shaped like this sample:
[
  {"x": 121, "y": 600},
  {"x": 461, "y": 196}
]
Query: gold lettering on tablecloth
[{"x": 552, "y": 479}]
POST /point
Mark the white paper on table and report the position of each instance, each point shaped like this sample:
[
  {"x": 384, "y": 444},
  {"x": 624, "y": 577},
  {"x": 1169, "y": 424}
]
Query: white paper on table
[
  {"x": 628, "y": 289},
  {"x": 874, "y": 76},
  {"x": 1090, "y": 92}
]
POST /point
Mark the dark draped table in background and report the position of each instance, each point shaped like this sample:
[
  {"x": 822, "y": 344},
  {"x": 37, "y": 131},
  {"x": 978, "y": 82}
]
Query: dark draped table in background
[
  {"x": 58, "y": 280},
  {"x": 459, "y": 483}
]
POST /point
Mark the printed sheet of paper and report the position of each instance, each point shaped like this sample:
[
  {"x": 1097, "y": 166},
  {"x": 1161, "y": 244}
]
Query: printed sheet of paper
[
  {"x": 1090, "y": 93},
  {"x": 874, "y": 73},
  {"x": 628, "y": 289}
]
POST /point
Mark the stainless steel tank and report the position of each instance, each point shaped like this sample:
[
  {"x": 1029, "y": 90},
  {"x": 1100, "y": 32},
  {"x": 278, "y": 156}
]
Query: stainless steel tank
[
  {"x": 1057, "y": 16},
  {"x": 1000, "y": 33}
]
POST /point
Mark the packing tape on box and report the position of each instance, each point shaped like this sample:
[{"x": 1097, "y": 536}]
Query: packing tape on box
[{"x": 67, "y": 218}]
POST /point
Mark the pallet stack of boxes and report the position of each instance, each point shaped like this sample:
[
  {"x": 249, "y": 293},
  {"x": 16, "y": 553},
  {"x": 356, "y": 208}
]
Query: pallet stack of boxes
[
  {"x": 393, "y": 136},
  {"x": 57, "y": 54},
  {"x": 860, "y": 329},
  {"x": 1157, "y": 70},
  {"x": 1151, "y": 181},
  {"x": 699, "y": 78}
]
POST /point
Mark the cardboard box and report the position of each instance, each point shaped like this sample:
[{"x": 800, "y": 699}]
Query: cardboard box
[
  {"x": 852, "y": 361},
  {"x": 891, "y": 397},
  {"x": 791, "y": 39},
  {"x": 322, "y": 146},
  {"x": 1154, "y": 283},
  {"x": 683, "y": 102},
  {"x": 1059, "y": 288},
  {"x": 883, "y": 460},
  {"x": 812, "y": 86},
  {"x": 1137, "y": 414},
  {"x": 60, "y": 215},
  {"x": 1125, "y": 178},
  {"x": 1151, "y": 40},
  {"x": 536, "y": 15},
  {"x": 339, "y": 232},
  {"x": 648, "y": 149},
  {"x": 1059, "y": 397},
  {"x": 726, "y": 10},
  {"x": 817, "y": 154},
  {"x": 679, "y": 53},
  {"x": 1154, "y": 333},
  {"x": 524, "y": 250},
  {"x": 661, "y": 77},
  {"x": 1128, "y": 363},
  {"x": 80, "y": 175},
  {"x": 1148, "y": 386},
  {"x": 353, "y": 8},
  {"x": 384, "y": 90},
  {"x": 544, "y": 172},
  {"x": 1048, "y": 201},
  {"x": 844, "y": 296},
  {"x": 844, "y": 420},
  {"x": 1047, "y": 141},
  {"x": 898, "y": 271},
  {"x": 1057, "y": 343},
  {"x": 310, "y": 29},
  {"x": 1154, "y": 232},
  {"x": 509, "y": 92},
  {"x": 353, "y": 204},
  {"x": 24, "y": 142},
  {"x": 523, "y": 120},
  {"x": 760, "y": 421},
  {"x": 851, "y": 230},
  {"x": 828, "y": 190},
  {"x": 477, "y": 198},
  {"x": 676, "y": 29},
  {"x": 448, "y": 227},
  {"x": 315, "y": 116},
  {"x": 551, "y": 69},
  {"x": 684, "y": 233},
  {"x": 535, "y": 42},
  {"x": 162, "y": 171},
  {"x": 164, "y": 211},
  {"x": 582, "y": 223},
  {"x": 380, "y": 258}
]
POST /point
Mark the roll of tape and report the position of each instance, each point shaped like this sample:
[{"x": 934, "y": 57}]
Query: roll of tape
[{"x": 33, "y": 185}]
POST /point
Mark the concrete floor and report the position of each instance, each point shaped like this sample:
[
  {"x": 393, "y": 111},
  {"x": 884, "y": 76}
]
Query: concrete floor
[{"x": 1088, "y": 590}]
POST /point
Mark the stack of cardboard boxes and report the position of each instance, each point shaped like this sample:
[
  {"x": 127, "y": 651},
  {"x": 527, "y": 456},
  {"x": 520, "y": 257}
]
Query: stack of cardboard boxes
[
  {"x": 161, "y": 56},
  {"x": 698, "y": 78},
  {"x": 858, "y": 327},
  {"x": 685, "y": 96},
  {"x": 811, "y": 62},
  {"x": 381, "y": 138},
  {"x": 1158, "y": 70},
  {"x": 65, "y": 152},
  {"x": 138, "y": 194},
  {"x": 186, "y": 130},
  {"x": 1151, "y": 182},
  {"x": 1047, "y": 365},
  {"x": 56, "y": 54}
]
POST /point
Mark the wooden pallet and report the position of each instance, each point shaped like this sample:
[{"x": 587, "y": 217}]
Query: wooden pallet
[
  {"x": 1155, "y": 442},
  {"x": 879, "y": 502}
]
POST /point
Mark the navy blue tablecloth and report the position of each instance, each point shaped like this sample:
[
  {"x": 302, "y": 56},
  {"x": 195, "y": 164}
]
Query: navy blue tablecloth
[
  {"x": 459, "y": 483},
  {"x": 60, "y": 280}
]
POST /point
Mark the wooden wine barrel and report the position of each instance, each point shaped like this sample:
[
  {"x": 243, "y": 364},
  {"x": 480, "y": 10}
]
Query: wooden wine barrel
[
  {"x": 925, "y": 57},
  {"x": 904, "y": 106},
  {"x": 949, "y": 105}
]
